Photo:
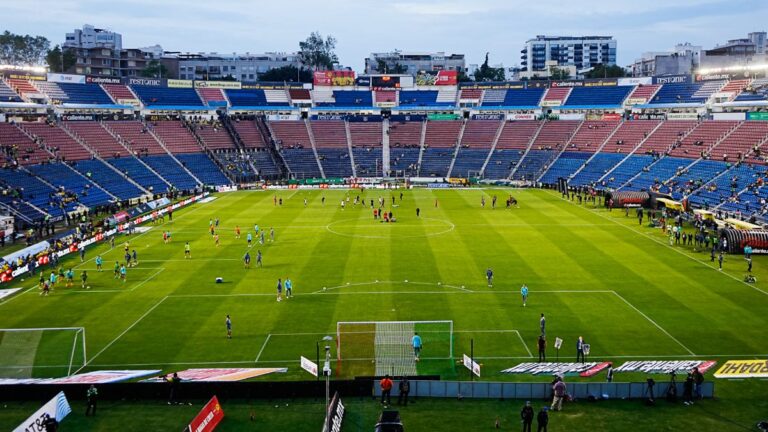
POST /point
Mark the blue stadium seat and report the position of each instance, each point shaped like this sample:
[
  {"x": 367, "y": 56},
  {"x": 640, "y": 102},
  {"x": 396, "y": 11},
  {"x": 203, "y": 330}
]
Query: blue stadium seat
[
  {"x": 163, "y": 96},
  {"x": 469, "y": 162},
  {"x": 335, "y": 162},
  {"x": 421, "y": 98},
  {"x": 142, "y": 175},
  {"x": 435, "y": 162},
  {"x": 60, "y": 175},
  {"x": 107, "y": 178},
  {"x": 523, "y": 97},
  {"x": 86, "y": 94},
  {"x": 203, "y": 168},
  {"x": 564, "y": 166},
  {"x": 250, "y": 98},
  {"x": 368, "y": 161},
  {"x": 350, "y": 98},
  {"x": 677, "y": 93},
  {"x": 596, "y": 168},
  {"x": 502, "y": 162},
  {"x": 598, "y": 96},
  {"x": 167, "y": 167},
  {"x": 301, "y": 162}
]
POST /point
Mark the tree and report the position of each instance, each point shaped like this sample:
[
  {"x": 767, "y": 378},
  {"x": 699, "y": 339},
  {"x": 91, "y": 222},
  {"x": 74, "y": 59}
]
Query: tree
[
  {"x": 56, "y": 57},
  {"x": 317, "y": 53},
  {"x": 23, "y": 50},
  {"x": 601, "y": 71},
  {"x": 488, "y": 73},
  {"x": 557, "y": 73},
  {"x": 463, "y": 77},
  {"x": 154, "y": 69},
  {"x": 385, "y": 68},
  {"x": 287, "y": 73}
]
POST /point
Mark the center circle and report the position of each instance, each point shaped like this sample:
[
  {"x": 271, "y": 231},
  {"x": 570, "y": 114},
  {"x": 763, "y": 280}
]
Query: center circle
[{"x": 374, "y": 229}]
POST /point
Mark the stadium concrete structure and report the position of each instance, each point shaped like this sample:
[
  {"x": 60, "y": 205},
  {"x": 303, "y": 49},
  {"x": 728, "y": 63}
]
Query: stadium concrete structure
[{"x": 101, "y": 140}]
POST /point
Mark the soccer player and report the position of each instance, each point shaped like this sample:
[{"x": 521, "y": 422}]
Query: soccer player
[
  {"x": 187, "y": 251},
  {"x": 720, "y": 260},
  {"x": 482, "y": 202},
  {"x": 261, "y": 239},
  {"x": 524, "y": 293},
  {"x": 418, "y": 211},
  {"x": 135, "y": 257},
  {"x": 128, "y": 258},
  {"x": 217, "y": 222},
  {"x": 84, "y": 279},
  {"x": 165, "y": 237},
  {"x": 237, "y": 231},
  {"x": 247, "y": 260},
  {"x": 123, "y": 273},
  {"x": 322, "y": 199},
  {"x": 53, "y": 279},
  {"x": 216, "y": 239},
  {"x": 279, "y": 290},
  {"x": 70, "y": 277},
  {"x": 305, "y": 202},
  {"x": 82, "y": 254},
  {"x": 258, "y": 258},
  {"x": 256, "y": 228},
  {"x": 126, "y": 246},
  {"x": 99, "y": 262},
  {"x": 111, "y": 242},
  {"x": 117, "y": 269},
  {"x": 249, "y": 237},
  {"x": 272, "y": 234},
  {"x": 489, "y": 276},
  {"x": 229, "y": 327},
  {"x": 213, "y": 230},
  {"x": 416, "y": 342},
  {"x": 45, "y": 288},
  {"x": 288, "y": 288},
  {"x": 543, "y": 325}
]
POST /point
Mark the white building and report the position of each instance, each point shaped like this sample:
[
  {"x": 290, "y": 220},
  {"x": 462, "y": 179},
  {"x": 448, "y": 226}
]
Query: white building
[
  {"x": 91, "y": 37},
  {"x": 683, "y": 59},
  {"x": 211, "y": 66},
  {"x": 579, "y": 52},
  {"x": 414, "y": 62}
]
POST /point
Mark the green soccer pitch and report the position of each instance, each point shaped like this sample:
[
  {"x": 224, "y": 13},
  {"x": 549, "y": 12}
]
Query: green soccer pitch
[{"x": 593, "y": 273}]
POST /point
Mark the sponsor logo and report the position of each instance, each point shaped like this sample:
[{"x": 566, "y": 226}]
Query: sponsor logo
[
  {"x": 743, "y": 369},
  {"x": 665, "y": 367},
  {"x": 557, "y": 368},
  {"x": 145, "y": 82},
  {"x": 176, "y": 83},
  {"x": 91, "y": 79},
  {"x": 550, "y": 103},
  {"x": 521, "y": 117},
  {"x": 636, "y": 101},
  {"x": 208, "y": 417},
  {"x": 672, "y": 79},
  {"x": 219, "y": 84},
  {"x": 487, "y": 116},
  {"x": 78, "y": 117},
  {"x": 682, "y": 116},
  {"x": 471, "y": 365}
]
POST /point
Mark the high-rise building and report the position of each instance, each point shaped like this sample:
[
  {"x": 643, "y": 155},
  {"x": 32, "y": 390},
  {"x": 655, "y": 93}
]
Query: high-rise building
[
  {"x": 414, "y": 62},
  {"x": 580, "y": 52},
  {"x": 683, "y": 59}
]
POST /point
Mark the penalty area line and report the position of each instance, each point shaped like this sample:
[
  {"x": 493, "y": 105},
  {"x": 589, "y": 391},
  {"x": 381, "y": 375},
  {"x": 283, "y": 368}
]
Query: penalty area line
[{"x": 264, "y": 345}]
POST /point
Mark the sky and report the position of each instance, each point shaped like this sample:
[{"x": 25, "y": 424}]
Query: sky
[{"x": 470, "y": 27}]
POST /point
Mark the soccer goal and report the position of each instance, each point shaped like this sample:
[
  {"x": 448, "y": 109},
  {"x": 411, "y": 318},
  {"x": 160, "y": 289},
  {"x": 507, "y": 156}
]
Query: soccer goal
[
  {"x": 387, "y": 344},
  {"x": 32, "y": 352}
]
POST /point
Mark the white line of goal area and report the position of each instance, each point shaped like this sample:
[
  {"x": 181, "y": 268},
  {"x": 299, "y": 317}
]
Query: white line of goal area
[{"x": 466, "y": 292}]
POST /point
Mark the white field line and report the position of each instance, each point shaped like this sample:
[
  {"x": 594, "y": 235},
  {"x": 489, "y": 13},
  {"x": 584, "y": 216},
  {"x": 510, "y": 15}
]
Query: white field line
[
  {"x": 123, "y": 333},
  {"x": 137, "y": 285},
  {"x": 653, "y": 322},
  {"x": 264, "y": 345},
  {"x": 683, "y": 253}
]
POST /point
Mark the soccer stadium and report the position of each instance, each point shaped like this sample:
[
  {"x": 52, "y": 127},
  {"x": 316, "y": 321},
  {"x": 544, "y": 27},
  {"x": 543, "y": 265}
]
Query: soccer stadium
[{"x": 384, "y": 251}]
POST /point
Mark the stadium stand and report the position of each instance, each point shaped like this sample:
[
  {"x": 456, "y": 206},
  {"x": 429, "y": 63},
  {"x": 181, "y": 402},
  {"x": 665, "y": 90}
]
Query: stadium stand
[
  {"x": 629, "y": 135},
  {"x": 56, "y": 139},
  {"x": 97, "y": 138},
  {"x": 300, "y": 96},
  {"x": 476, "y": 142},
  {"x": 216, "y": 137},
  {"x": 595, "y": 168},
  {"x": 366, "y": 147},
  {"x": 405, "y": 146},
  {"x": 350, "y": 99},
  {"x": 212, "y": 96},
  {"x": 693, "y": 177},
  {"x": 707, "y": 89},
  {"x": 551, "y": 140},
  {"x": 163, "y": 96},
  {"x": 678, "y": 93},
  {"x": 591, "y": 135},
  {"x": 176, "y": 137},
  {"x": 756, "y": 91},
  {"x": 626, "y": 169},
  {"x": 439, "y": 147},
  {"x": 277, "y": 97},
  {"x": 643, "y": 93},
  {"x": 140, "y": 173},
  {"x": 515, "y": 138},
  {"x": 743, "y": 144},
  {"x": 654, "y": 176},
  {"x": 735, "y": 87},
  {"x": 23, "y": 87},
  {"x": 252, "y": 98},
  {"x": 26, "y": 151},
  {"x": 332, "y": 149},
  {"x": 29, "y": 191},
  {"x": 170, "y": 170},
  {"x": 119, "y": 92},
  {"x": 667, "y": 135},
  {"x": 494, "y": 97},
  {"x": 295, "y": 146},
  {"x": 564, "y": 166},
  {"x": 136, "y": 136},
  {"x": 106, "y": 177},
  {"x": 52, "y": 90},
  {"x": 203, "y": 168},
  {"x": 249, "y": 134},
  {"x": 85, "y": 94},
  {"x": 323, "y": 97},
  {"x": 7, "y": 94},
  {"x": 470, "y": 95},
  {"x": 698, "y": 142},
  {"x": 598, "y": 96},
  {"x": 385, "y": 96},
  {"x": 425, "y": 98},
  {"x": 555, "y": 95},
  {"x": 63, "y": 177}
]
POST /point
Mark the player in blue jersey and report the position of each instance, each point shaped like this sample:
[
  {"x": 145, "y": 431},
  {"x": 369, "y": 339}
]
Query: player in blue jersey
[
  {"x": 416, "y": 342},
  {"x": 288, "y": 288},
  {"x": 489, "y": 276},
  {"x": 524, "y": 293}
]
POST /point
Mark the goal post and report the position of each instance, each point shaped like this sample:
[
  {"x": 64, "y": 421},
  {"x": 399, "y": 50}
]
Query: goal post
[
  {"x": 45, "y": 351},
  {"x": 388, "y": 344}
]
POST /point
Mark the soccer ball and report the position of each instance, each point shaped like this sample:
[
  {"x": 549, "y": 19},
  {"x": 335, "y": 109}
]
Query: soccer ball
[
  {"x": 88, "y": 287},
  {"x": 324, "y": 288}
]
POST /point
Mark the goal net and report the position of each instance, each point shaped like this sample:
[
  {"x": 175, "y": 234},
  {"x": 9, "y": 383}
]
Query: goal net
[
  {"x": 41, "y": 352},
  {"x": 388, "y": 344}
]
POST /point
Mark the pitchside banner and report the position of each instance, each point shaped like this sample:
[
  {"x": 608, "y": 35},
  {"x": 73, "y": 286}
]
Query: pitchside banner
[
  {"x": 208, "y": 417},
  {"x": 335, "y": 415},
  {"x": 308, "y": 365},
  {"x": 101, "y": 377},
  {"x": 221, "y": 374},
  {"x": 666, "y": 367},
  {"x": 583, "y": 369},
  {"x": 57, "y": 408},
  {"x": 472, "y": 365},
  {"x": 743, "y": 369}
]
